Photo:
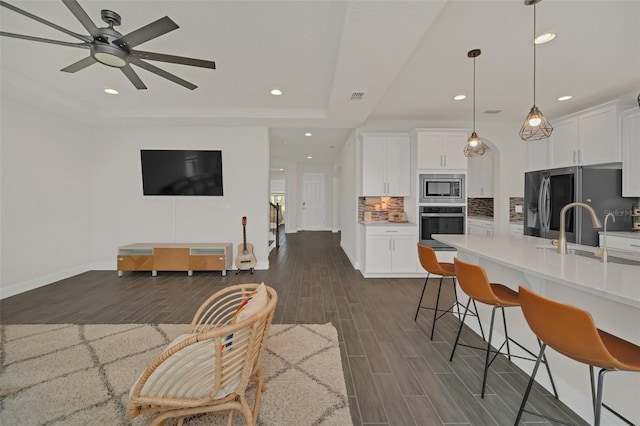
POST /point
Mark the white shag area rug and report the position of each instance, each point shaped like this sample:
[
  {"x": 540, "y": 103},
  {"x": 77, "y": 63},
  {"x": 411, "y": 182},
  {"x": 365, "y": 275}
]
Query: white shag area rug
[{"x": 67, "y": 374}]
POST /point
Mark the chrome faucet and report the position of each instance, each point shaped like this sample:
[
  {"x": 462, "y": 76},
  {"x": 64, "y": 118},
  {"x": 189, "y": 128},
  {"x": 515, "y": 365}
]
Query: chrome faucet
[
  {"x": 603, "y": 252},
  {"x": 562, "y": 239}
]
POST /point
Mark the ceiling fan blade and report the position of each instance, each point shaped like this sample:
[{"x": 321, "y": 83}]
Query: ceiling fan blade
[
  {"x": 80, "y": 65},
  {"x": 45, "y": 40},
  {"x": 152, "y": 56},
  {"x": 82, "y": 16},
  {"x": 45, "y": 22},
  {"x": 146, "y": 33},
  {"x": 133, "y": 77},
  {"x": 162, "y": 73}
]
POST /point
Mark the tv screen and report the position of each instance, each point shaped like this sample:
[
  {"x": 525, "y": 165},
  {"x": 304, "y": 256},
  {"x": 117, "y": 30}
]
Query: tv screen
[{"x": 180, "y": 172}]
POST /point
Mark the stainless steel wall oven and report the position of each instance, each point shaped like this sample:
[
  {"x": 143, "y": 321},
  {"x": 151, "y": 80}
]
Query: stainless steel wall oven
[{"x": 440, "y": 220}]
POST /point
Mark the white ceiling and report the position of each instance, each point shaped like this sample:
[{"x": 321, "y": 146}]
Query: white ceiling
[{"x": 410, "y": 57}]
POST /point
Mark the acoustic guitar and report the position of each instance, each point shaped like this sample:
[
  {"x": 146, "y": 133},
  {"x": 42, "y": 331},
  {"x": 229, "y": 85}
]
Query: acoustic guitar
[{"x": 245, "y": 260}]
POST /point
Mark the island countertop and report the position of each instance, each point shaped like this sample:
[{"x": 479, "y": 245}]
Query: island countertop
[{"x": 536, "y": 257}]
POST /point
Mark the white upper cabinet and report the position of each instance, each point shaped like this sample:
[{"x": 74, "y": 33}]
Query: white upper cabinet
[
  {"x": 537, "y": 155},
  {"x": 480, "y": 176},
  {"x": 441, "y": 149},
  {"x": 586, "y": 138},
  {"x": 563, "y": 145},
  {"x": 385, "y": 165},
  {"x": 631, "y": 153}
]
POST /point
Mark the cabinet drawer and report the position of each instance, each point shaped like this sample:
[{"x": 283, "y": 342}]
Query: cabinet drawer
[
  {"x": 207, "y": 263},
  {"x": 390, "y": 231},
  {"x": 621, "y": 243},
  {"x": 171, "y": 259},
  {"x": 135, "y": 263}
]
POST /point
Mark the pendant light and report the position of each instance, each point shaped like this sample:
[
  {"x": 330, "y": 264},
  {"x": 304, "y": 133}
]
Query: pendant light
[
  {"x": 474, "y": 146},
  {"x": 535, "y": 126}
]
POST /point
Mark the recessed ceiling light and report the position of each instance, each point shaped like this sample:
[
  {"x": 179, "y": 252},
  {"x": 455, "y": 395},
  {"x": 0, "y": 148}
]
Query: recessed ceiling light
[
  {"x": 111, "y": 91},
  {"x": 308, "y": 134},
  {"x": 544, "y": 38},
  {"x": 565, "y": 98},
  {"x": 282, "y": 170},
  {"x": 459, "y": 97},
  {"x": 309, "y": 157},
  {"x": 276, "y": 92}
]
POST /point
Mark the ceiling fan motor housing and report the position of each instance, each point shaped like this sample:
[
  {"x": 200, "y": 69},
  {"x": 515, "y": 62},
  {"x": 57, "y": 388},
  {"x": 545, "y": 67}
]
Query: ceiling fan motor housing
[{"x": 104, "y": 51}]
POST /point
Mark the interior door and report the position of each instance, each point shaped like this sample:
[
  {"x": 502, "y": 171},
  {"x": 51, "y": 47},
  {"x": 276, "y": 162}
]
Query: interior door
[{"x": 313, "y": 202}]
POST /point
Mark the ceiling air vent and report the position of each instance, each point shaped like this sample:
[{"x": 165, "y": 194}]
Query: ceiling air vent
[
  {"x": 493, "y": 111},
  {"x": 357, "y": 96}
]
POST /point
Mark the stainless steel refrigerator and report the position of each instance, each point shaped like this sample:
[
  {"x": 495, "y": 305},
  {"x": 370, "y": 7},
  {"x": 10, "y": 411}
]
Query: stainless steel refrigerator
[{"x": 547, "y": 191}]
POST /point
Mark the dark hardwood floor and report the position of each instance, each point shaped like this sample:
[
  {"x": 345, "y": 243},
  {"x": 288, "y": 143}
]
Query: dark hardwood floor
[{"x": 394, "y": 374}]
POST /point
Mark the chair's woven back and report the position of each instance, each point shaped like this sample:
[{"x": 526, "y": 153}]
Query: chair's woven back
[{"x": 216, "y": 361}]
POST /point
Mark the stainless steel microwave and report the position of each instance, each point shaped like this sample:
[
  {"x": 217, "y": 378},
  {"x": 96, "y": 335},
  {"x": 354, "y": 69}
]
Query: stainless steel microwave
[{"x": 442, "y": 188}]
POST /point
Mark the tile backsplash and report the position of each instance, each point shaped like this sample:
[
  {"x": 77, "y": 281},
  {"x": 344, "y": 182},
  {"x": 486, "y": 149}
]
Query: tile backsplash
[
  {"x": 480, "y": 207},
  {"x": 388, "y": 204},
  {"x": 513, "y": 202}
]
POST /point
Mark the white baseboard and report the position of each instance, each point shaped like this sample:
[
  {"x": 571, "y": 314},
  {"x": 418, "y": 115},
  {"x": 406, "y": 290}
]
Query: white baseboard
[{"x": 42, "y": 281}]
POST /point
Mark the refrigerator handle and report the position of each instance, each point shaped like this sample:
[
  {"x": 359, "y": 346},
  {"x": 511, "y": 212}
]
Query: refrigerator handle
[
  {"x": 541, "y": 204},
  {"x": 547, "y": 206}
]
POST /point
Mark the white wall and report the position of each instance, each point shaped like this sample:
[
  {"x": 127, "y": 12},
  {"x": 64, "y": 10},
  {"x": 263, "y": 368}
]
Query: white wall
[
  {"x": 349, "y": 198},
  {"x": 46, "y": 181},
  {"x": 72, "y": 194},
  {"x": 121, "y": 215}
]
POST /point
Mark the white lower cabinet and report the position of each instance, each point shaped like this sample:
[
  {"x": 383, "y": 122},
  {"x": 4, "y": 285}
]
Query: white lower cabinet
[
  {"x": 516, "y": 229},
  {"x": 617, "y": 242},
  {"x": 479, "y": 226},
  {"x": 390, "y": 250}
]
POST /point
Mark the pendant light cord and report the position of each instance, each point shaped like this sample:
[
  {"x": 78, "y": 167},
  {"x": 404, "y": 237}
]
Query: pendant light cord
[
  {"x": 474, "y": 93},
  {"x": 534, "y": 54}
]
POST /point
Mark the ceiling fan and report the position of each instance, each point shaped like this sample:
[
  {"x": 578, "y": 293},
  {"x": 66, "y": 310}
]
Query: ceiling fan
[{"x": 109, "y": 47}]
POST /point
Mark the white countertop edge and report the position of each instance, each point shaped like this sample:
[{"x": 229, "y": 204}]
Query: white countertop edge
[{"x": 611, "y": 273}]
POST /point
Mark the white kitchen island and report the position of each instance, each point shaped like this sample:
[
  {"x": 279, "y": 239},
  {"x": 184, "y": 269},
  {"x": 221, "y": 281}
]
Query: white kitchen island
[{"x": 610, "y": 292}]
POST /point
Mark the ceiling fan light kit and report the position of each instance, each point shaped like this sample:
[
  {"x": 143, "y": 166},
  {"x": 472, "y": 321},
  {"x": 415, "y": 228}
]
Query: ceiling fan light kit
[
  {"x": 535, "y": 126},
  {"x": 474, "y": 146},
  {"x": 108, "y": 47}
]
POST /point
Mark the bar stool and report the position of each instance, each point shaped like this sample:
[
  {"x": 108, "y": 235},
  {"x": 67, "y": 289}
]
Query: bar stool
[
  {"x": 572, "y": 332},
  {"x": 429, "y": 262},
  {"x": 474, "y": 282}
]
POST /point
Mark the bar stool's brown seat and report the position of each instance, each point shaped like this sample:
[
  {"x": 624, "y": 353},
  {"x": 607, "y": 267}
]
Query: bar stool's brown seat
[
  {"x": 474, "y": 282},
  {"x": 429, "y": 261},
  {"x": 572, "y": 332}
]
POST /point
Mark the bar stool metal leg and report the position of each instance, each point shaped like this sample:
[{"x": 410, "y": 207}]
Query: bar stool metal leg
[
  {"x": 455, "y": 344},
  {"x": 435, "y": 311},
  {"x": 424, "y": 287}
]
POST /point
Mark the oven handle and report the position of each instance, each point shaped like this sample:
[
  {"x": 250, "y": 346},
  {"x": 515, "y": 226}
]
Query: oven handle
[{"x": 442, "y": 214}]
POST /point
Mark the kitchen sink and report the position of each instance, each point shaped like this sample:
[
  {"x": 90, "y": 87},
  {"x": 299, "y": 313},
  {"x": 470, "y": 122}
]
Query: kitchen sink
[{"x": 610, "y": 259}]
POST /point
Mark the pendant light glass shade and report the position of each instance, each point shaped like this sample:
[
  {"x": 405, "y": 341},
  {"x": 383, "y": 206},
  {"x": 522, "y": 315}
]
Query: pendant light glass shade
[
  {"x": 474, "y": 146},
  {"x": 535, "y": 126}
]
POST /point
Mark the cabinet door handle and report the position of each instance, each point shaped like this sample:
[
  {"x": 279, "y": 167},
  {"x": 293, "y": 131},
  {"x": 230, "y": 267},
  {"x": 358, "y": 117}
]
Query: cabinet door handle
[
  {"x": 441, "y": 161},
  {"x": 574, "y": 156},
  {"x": 579, "y": 155},
  {"x": 444, "y": 163},
  {"x": 394, "y": 244},
  {"x": 635, "y": 245}
]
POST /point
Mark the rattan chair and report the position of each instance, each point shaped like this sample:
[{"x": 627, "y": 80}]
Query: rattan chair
[
  {"x": 572, "y": 332},
  {"x": 210, "y": 368}
]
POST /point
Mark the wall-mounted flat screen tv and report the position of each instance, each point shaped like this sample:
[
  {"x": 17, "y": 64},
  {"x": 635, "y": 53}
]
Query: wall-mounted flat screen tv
[{"x": 181, "y": 172}]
